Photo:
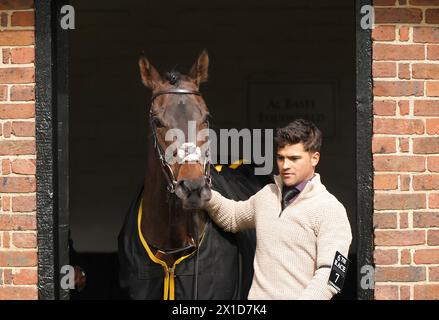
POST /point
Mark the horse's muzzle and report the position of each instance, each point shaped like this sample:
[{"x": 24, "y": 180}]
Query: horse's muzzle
[{"x": 194, "y": 193}]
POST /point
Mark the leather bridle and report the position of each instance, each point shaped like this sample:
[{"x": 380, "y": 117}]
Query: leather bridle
[{"x": 166, "y": 167}]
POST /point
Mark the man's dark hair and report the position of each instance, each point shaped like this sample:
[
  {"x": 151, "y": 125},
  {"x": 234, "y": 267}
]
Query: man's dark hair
[{"x": 300, "y": 130}]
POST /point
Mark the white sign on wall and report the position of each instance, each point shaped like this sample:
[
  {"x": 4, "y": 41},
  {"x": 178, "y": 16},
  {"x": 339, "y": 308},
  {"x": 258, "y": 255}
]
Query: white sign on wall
[{"x": 275, "y": 104}]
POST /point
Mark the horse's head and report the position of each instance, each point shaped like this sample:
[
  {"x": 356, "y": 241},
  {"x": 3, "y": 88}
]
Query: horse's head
[{"x": 177, "y": 104}]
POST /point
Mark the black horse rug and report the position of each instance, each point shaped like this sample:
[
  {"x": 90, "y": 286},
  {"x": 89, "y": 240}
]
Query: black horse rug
[{"x": 224, "y": 269}]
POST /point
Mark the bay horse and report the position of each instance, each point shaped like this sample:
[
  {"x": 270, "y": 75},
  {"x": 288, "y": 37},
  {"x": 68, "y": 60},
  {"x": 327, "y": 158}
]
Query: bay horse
[{"x": 168, "y": 247}]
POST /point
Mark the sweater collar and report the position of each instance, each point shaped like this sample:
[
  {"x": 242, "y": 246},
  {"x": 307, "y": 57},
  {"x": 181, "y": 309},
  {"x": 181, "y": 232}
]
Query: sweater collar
[{"x": 313, "y": 185}]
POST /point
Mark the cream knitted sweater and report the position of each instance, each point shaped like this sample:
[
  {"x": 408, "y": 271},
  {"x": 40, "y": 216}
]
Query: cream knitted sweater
[{"x": 294, "y": 249}]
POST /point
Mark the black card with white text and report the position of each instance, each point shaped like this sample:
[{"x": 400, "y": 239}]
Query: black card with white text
[{"x": 338, "y": 271}]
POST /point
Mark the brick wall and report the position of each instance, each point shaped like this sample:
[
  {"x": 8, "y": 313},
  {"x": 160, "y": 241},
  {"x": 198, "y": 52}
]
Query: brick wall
[
  {"x": 18, "y": 244},
  {"x": 406, "y": 148}
]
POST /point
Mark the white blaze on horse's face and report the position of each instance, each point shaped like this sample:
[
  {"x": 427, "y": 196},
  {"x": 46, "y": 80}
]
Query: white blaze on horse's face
[{"x": 188, "y": 152}]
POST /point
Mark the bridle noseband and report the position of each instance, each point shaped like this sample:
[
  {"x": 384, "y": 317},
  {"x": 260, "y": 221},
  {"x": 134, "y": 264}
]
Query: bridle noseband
[{"x": 166, "y": 167}]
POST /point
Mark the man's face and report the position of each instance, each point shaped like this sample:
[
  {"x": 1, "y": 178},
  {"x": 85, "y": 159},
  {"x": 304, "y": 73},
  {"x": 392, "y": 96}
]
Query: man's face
[{"x": 295, "y": 164}]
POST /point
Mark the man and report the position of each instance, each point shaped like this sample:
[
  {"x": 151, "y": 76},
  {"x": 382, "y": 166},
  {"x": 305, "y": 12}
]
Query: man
[{"x": 299, "y": 225}]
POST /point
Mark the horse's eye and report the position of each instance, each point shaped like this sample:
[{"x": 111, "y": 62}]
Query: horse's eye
[{"x": 158, "y": 123}]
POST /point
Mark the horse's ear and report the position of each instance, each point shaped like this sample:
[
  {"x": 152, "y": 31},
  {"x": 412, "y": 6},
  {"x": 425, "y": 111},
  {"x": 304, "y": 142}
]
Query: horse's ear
[
  {"x": 150, "y": 76},
  {"x": 199, "y": 70}
]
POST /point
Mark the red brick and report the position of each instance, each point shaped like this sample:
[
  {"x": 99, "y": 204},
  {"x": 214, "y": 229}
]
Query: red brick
[
  {"x": 426, "y": 34},
  {"x": 17, "y": 222},
  {"x": 405, "y": 256},
  {"x": 7, "y": 129},
  {"x": 6, "y": 203},
  {"x": 404, "y": 33},
  {"x": 17, "y": 38},
  {"x": 404, "y": 293},
  {"x": 385, "y": 220},
  {"x": 24, "y": 240},
  {"x": 24, "y": 166},
  {"x": 385, "y": 108},
  {"x": 384, "y": 69},
  {"x": 399, "y": 163},
  {"x": 383, "y": 145},
  {"x": 426, "y": 145},
  {"x": 385, "y": 182},
  {"x": 425, "y": 71},
  {"x": 433, "y": 163},
  {"x": 18, "y": 293},
  {"x": 403, "y": 220},
  {"x": 6, "y": 55},
  {"x": 382, "y": 51},
  {"x": 398, "y": 126},
  {"x": 425, "y": 182},
  {"x": 390, "y": 201},
  {"x": 23, "y": 222},
  {"x": 23, "y": 128},
  {"x": 17, "y": 111},
  {"x": 433, "y": 237},
  {"x": 385, "y": 257},
  {"x": 3, "y": 93},
  {"x": 426, "y": 108},
  {"x": 16, "y": 4},
  {"x": 424, "y": 2},
  {"x": 22, "y": 55},
  {"x": 25, "y": 276},
  {"x": 404, "y": 71},
  {"x": 400, "y": 274},
  {"x": 426, "y": 256},
  {"x": 22, "y": 93},
  {"x": 433, "y": 126},
  {"x": 17, "y": 147},
  {"x": 383, "y": 33},
  {"x": 24, "y": 203},
  {"x": 432, "y": 88},
  {"x": 4, "y": 19},
  {"x": 404, "y": 144},
  {"x": 399, "y": 238},
  {"x": 18, "y": 258},
  {"x": 432, "y": 16},
  {"x": 433, "y": 52},
  {"x": 405, "y": 182},
  {"x": 23, "y": 19},
  {"x": 6, "y": 240},
  {"x": 17, "y": 75},
  {"x": 434, "y": 274},
  {"x": 433, "y": 201},
  {"x": 398, "y": 15},
  {"x": 426, "y": 292},
  {"x": 398, "y": 88},
  {"x": 386, "y": 292},
  {"x": 7, "y": 276},
  {"x": 425, "y": 219},
  {"x": 17, "y": 184},
  {"x": 6, "y": 167}
]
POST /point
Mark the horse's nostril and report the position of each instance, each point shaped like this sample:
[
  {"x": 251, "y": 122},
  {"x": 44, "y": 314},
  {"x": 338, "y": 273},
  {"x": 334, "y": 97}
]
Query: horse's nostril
[
  {"x": 205, "y": 193},
  {"x": 181, "y": 190}
]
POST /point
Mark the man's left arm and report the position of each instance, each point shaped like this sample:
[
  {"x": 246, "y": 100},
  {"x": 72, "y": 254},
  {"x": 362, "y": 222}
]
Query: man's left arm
[{"x": 333, "y": 234}]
